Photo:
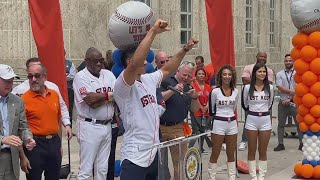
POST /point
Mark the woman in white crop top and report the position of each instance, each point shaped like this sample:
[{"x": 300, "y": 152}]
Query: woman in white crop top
[
  {"x": 223, "y": 103},
  {"x": 257, "y": 100}
]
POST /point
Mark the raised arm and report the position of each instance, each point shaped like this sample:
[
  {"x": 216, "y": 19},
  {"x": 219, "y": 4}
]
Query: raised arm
[
  {"x": 131, "y": 73},
  {"x": 174, "y": 63}
]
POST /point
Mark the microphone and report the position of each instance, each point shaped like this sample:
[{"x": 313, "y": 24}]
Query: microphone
[{"x": 176, "y": 90}]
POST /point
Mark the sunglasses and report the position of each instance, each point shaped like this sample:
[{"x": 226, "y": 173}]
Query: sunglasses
[
  {"x": 95, "y": 61},
  {"x": 191, "y": 64},
  {"x": 37, "y": 76},
  {"x": 163, "y": 62}
]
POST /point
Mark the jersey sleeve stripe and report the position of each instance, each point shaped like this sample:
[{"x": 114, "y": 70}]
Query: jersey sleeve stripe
[{"x": 124, "y": 82}]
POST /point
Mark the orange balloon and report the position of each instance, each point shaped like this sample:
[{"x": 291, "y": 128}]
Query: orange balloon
[
  {"x": 315, "y": 111},
  {"x": 297, "y": 78},
  {"x": 301, "y": 66},
  {"x": 318, "y": 121},
  {"x": 314, "y": 39},
  {"x": 303, "y": 127},
  {"x": 295, "y": 53},
  {"x": 309, "y": 100},
  {"x": 301, "y": 89},
  {"x": 308, "y": 53},
  {"x": 303, "y": 110},
  {"x": 297, "y": 100},
  {"x": 299, "y": 118},
  {"x": 309, "y": 120},
  {"x": 309, "y": 78},
  {"x": 318, "y": 102},
  {"x": 307, "y": 171},
  {"x": 315, "y": 127},
  {"x": 316, "y": 172},
  {"x": 299, "y": 40},
  {"x": 298, "y": 169},
  {"x": 319, "y": 53},
  {"x": 315, "y": 65},
  {"x": 315, "y": 89}
]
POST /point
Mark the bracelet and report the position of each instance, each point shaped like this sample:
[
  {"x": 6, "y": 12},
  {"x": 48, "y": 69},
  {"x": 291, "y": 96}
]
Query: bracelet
[
  {"x": 185, "y": 48},
  {"x": 106, "y": 97}
]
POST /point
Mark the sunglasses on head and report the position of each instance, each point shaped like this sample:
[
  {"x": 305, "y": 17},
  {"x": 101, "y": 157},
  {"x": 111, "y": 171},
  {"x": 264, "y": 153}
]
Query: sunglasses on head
[
  {"x": 37, "y": 76},
  {"x": 192, "y": 64}
]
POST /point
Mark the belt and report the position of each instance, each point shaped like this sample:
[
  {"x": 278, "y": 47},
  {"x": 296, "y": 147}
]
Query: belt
[
  {"x": 169, "y": 123},
  {"x": 224, "y": 118},
  {"x": 259, "y": 113},
  {"x": 6, "y": 150},
  {"x": 47, "y": 137},
  {"x": 102, "y": 122}
]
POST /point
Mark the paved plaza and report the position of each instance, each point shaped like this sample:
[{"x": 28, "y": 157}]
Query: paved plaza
[{"x": 280, "y": 164}]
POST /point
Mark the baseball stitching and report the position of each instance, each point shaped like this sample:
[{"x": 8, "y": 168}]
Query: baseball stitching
[
  {"x": 310, "y": 24},
  {"x": 133, "y": 21}
]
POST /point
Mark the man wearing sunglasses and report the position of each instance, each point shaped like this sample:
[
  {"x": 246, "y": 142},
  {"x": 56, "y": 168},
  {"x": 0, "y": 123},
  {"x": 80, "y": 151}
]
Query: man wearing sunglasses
[
  {"x": 93, "y": 88},
  {"x": 161, "y": 58},
  {"x": 43, "y": 115},
  {"x": 135, "y": 94},
  {"x": 25, "y": 86}
]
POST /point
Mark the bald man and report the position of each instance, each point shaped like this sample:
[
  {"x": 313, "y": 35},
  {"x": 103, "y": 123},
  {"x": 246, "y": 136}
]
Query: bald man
[
  {"x": 161, "y": 59},
  {"x": 93, "y": 92}
]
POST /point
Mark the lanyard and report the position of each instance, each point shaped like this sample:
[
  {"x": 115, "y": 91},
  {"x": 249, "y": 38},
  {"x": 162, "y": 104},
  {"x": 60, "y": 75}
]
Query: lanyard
[{"x": 289, "y": 79}]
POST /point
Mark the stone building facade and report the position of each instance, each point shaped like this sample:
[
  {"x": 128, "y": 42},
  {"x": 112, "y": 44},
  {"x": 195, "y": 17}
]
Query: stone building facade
[{"x": 263, "y": 25}]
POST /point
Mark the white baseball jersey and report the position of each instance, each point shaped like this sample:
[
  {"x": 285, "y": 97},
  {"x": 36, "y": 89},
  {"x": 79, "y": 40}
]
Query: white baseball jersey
[
  {"x": 83, "y": 83},
  {"x": 140, "y": 115},
  {"x": 25, "y": 86},
  {"x": 259, "y": 102},
  {"x": 222, "y": 105}
]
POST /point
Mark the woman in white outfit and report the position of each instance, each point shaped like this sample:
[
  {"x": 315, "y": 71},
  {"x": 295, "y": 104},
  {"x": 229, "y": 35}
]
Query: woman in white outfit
[
  {"x": 257, "y": 99},
  {"x": 223, "y": 103}
]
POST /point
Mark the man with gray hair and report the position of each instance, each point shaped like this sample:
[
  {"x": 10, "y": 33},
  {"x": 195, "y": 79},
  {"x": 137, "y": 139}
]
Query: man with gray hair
[
  {"x": 14, "y": 130},
  {"x": 43, "y": 116}
]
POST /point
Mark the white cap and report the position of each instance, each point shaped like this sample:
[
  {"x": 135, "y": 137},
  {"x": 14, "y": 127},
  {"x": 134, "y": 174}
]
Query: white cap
[{"x": 6, "y": 72}]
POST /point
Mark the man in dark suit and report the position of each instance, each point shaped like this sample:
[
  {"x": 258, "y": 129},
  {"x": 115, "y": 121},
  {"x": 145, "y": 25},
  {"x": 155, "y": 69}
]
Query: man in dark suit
[{"x": 13, "y": 127}]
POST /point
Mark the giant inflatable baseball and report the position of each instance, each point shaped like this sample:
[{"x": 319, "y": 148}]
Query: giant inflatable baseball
[
  {"x": 128, "y": 26},
  {"x": 305, "y": 15}
]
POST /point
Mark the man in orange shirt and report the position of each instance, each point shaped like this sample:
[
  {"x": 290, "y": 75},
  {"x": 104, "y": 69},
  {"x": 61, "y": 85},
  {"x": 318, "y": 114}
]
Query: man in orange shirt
[{"x": 43, "y": 115}]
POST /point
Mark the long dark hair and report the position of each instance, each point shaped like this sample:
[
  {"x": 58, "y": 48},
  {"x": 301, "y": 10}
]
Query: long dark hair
[
  {"x": 254, "y": 79},
  {"x": 233, "y": 78}
]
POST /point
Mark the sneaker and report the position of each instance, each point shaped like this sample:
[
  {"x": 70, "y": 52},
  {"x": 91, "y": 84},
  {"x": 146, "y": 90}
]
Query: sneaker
[
  {"x": 280, "y": 147},
  {"x": 224, "y": 147},
  {"x": 204, "y": 152},
  {"x": 242, "y": 146},
  {"x": 300, "y": 147}
]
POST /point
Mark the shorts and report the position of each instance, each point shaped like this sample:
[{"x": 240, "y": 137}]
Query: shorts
[
  {"x": 224, "y": 127},
  {"x": 258, "y": 123}
]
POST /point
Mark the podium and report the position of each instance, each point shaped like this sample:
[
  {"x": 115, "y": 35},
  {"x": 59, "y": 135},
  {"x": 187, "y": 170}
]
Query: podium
[{"x": 182, "y": 159}]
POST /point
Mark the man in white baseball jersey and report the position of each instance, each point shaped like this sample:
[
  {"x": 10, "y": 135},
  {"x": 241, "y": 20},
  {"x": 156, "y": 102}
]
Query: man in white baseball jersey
[
  {"x": 93, "y": 88},
  {"x": 25, "y": 86},
  {"x": 135, "y": 94}
]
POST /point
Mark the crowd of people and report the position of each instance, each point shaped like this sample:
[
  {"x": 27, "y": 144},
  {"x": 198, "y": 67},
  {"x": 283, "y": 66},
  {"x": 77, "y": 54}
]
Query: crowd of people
[{"x": 146, "y": 106}]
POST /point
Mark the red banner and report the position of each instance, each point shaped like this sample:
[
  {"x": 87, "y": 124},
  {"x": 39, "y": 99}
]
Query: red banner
[
  {"x": 47, "y": 31},
  {"x": 220, "y": 28}
]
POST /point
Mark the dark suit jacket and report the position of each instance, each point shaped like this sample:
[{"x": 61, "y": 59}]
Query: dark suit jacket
[{"x": 17, "y": 126}]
